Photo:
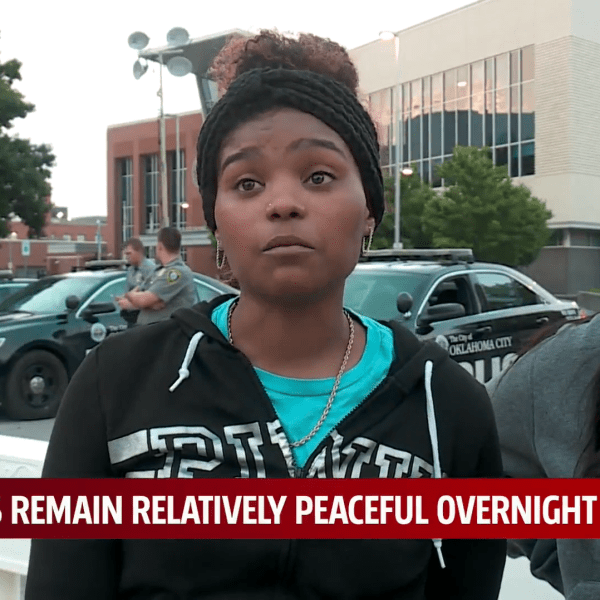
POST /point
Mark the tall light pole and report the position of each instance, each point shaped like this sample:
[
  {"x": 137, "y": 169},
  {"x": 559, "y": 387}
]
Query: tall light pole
[
  {"x": 388, "y": 36},
  {"x": 11, "y": 237},
  {"x": 178, "y": 66}
]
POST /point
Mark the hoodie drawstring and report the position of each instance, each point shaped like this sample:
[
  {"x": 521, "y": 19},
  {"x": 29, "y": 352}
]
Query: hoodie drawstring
[
  {"x": 437, "y": 470},
  {"x": 184, "y": 372}
]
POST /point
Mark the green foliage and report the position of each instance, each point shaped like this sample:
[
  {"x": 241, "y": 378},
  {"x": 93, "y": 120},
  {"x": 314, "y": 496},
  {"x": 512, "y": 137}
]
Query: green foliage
[
  {"x": 482, "y": 209},
  {"x": 24, "y": 167},
  {"x": 413, "y": 198}
]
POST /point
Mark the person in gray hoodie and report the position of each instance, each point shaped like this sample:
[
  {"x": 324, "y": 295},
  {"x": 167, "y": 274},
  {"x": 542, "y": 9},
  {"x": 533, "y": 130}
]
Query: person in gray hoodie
[{"x": 546, "y": 406}]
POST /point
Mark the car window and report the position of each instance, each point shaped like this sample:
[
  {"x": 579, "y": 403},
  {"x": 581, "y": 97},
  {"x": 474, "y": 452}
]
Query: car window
[
  {"x": 374, "y": 294},
  {"x": 497, "y": 291},
  {"x": 108, "y": 292},
  {"x": 49, "y": 294},
  {"x": 453, "y": 290},
  {"x": 205, "y": 292}
]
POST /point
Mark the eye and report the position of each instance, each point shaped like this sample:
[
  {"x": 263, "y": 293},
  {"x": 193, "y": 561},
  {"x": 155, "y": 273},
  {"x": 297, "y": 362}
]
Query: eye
[
  {"x": 247, "y": 185},
  {"x": 320, "y": 177}
]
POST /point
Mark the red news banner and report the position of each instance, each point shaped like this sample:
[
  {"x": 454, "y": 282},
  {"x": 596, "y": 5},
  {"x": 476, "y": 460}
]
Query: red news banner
[{"x": 299, "y": 508}]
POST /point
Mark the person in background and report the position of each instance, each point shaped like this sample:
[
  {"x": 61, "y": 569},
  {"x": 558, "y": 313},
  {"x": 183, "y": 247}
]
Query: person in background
[
  {"x": 169, "y": 287},
  {"x": 547, "y": 407},
  {"x": 282, "y": 380},
  {"x": 139, "y": 268}
]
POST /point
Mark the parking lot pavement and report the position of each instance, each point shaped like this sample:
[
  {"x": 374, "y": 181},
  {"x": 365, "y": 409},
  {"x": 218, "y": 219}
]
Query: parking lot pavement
[{"x": 35, "y": 430}]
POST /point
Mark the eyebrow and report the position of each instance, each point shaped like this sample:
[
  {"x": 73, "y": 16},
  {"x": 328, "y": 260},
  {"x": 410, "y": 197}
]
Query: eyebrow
[
  {"x": 316, "y": 142},
  {"x": 302, "y": 143},
  {"x": 243, "y": 154}
]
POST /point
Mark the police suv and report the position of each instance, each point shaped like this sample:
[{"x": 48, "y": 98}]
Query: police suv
[
  {"x": 481, "y": 313},
  {"x": 47, "y": 328}
]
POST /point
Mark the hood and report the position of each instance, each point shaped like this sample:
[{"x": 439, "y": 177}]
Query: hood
[{"x": 414, "y": 363}]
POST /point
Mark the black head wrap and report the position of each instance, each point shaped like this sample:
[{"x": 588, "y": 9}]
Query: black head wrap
[{"x": 260, "y": 90}]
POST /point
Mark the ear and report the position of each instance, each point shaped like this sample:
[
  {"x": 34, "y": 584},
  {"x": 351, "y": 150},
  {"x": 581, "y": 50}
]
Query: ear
[{"x": 369, "y": 226}]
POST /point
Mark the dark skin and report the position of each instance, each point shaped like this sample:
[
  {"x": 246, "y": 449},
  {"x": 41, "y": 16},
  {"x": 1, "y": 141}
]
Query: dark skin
[{"x": 286, "y": 173}]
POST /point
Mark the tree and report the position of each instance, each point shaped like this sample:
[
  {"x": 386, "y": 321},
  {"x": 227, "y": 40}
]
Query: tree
[
  {"x": 415, "y": 194},
  {"x": 482, "y": 209},
  {"x": 24, "y": 167}
]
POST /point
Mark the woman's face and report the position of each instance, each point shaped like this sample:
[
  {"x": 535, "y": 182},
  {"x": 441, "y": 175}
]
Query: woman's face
[{"x": 290, "y": 210}]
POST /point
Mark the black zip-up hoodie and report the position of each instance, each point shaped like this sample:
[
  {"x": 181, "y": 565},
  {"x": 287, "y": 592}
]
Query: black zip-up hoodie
[{"x": 120, "y": 419}]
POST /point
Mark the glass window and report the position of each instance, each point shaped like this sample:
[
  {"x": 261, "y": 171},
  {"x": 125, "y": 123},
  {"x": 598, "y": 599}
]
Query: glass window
[
  {"x": 514, "y": 113},
  {"x": 477, "y": 120},
  {"x": 489, "y": 119},
  {"x": 126, "y": 193},
  {"x": 406, "y": 98},
  {"x": 108, "y": 292},
  {"x": 436, "y": 90},
  {"x": 501, "y": 156},
  {"x": 416, "y": 97},
  {"x": 374, "y": 294},
  {"x": 501, "y": 135},
  {"x": 436, "y": 130},
  {"x": 556, "y": 237},
  {"x": 151, "y": 192},
  {"x": 449, "y": 127},
  {"x": 49, "y": 295},
  {"x": 489, "y": 74},
  {"x": 380, "y": 108},
  {"x": 497, "y": 292},
  {"x": 178, "y": 171},
  {"x": 502, "y": 71},
  {"x": 477, "y": 77},
  {"x": 528, "y": 159},
  {"x": 527, "y": 63},
  {"x": 514, "y": 160},
  {"x": 514, "y": 67},
  {"x": 450, "y": 85},
  {"x": 415, "y": 138},
  {"x": 425, "y": 176},
  {"x": 463, "y": 86},
  {"x": 436, "y": 180},
  {"x": 405, "y": 134},
  {"x": 527, "y": 111},
  {"x": 426, "y": 94},
  {"x": 425, "y": 136},
  {"x": 462, "y": 117}
]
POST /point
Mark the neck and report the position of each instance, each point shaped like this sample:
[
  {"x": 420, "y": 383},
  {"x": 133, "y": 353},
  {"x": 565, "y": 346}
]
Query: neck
[{"x": 305, "y": 341}]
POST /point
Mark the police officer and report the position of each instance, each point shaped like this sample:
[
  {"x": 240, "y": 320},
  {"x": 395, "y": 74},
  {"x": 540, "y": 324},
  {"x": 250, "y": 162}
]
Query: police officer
[
  {"x": 138, "y": 270},
  {"x": 170, "y": 287},
  {"x": 139, "y": 267}
]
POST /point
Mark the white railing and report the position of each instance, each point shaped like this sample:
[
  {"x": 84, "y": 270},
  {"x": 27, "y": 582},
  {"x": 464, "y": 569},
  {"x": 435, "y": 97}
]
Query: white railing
[{"x": 19, "y": 457}]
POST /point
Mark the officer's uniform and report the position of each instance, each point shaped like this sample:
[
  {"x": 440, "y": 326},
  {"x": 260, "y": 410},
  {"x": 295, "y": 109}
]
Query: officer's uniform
[
  {"x": 174, "y": 284},
  {"x": 136, "y": 275}
]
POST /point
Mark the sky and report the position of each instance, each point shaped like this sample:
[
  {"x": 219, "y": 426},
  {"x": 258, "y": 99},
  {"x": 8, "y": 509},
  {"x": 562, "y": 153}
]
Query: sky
[{"x": 77, "y": 66}]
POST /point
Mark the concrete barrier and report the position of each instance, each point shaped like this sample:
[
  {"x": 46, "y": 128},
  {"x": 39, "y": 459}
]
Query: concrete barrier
[{"x": 19, "y": 457}]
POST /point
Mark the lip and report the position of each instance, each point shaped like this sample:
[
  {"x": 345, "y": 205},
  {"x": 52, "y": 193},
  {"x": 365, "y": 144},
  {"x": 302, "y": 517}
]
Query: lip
[{"x": 291, "y": 242}]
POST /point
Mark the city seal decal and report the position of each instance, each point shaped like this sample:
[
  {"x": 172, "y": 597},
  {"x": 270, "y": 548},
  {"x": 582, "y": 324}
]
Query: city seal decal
[
  {"x": 98, "y": 332},
  {"x": 173, "y": 275}
]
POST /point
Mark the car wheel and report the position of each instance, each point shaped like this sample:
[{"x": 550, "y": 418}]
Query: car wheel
[{"x": 35, "y": 386}]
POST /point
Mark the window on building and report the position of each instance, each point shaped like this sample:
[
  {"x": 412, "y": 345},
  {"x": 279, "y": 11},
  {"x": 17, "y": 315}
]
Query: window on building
[
  {"x": 125, "y": 171},
  {"x": 67, "y": 237},
  {"x": 152, "y": 221},
  {"x": 80, "y": 237},
  {"x": 177, "y": 180},
  {"x": 380, "y": 109},
  {"x": 490, "y": 103}
]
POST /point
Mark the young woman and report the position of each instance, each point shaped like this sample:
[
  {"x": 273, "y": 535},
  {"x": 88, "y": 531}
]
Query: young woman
[
  {"x": 281, "y": 381},
  {"x": 547, "y": 406}
]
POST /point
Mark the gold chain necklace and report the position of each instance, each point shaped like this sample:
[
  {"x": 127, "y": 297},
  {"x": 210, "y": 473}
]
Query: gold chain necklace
[{"x": 336, "y": 385}]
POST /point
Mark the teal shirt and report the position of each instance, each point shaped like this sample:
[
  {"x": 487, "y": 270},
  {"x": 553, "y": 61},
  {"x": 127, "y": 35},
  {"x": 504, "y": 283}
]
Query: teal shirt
[{"x": 300, "y": 402}]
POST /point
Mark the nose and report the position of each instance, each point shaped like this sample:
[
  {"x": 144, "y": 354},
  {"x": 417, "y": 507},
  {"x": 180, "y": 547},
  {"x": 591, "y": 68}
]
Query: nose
[{"x": 285, "y": 203}]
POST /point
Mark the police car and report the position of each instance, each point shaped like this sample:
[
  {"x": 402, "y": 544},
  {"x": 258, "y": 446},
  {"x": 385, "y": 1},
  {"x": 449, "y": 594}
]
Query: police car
[
  {"x": 47, "y": 328},
  {"x": 481, "y": 313}
]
